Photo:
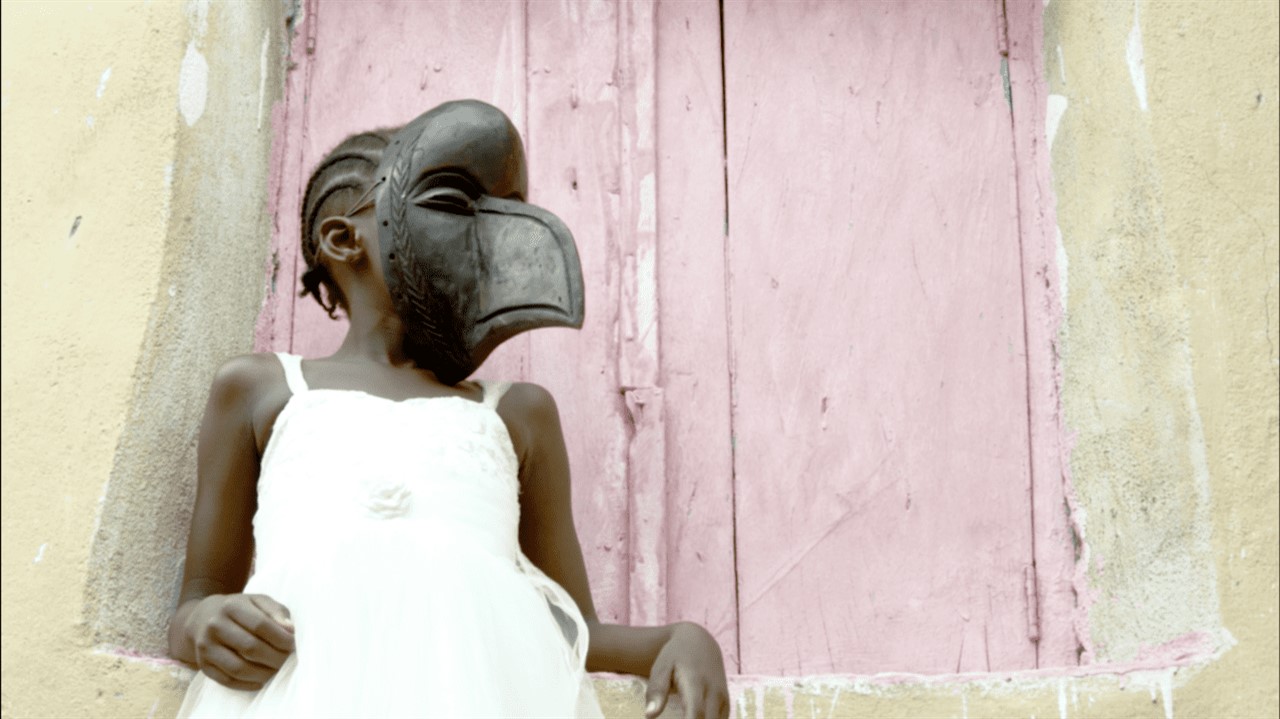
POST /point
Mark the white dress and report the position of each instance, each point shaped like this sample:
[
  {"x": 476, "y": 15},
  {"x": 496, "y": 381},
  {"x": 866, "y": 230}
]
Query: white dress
[{"x": 389, "y": 530}]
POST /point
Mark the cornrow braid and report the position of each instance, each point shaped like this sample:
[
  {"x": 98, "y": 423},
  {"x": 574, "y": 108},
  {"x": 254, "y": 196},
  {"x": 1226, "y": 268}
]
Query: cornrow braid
[{"x": 342, "y": 177}]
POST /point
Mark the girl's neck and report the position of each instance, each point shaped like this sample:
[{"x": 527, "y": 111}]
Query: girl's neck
[{"x": 374, "y": 336}]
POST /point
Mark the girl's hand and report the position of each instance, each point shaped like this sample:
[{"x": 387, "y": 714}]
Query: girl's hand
[
  {"x": 240, "y": 640},
  {"x": 690, "y": 663}
]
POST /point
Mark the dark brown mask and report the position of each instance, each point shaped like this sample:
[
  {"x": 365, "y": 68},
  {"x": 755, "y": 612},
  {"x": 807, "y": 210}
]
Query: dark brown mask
[{"x": 467, "y": 261}]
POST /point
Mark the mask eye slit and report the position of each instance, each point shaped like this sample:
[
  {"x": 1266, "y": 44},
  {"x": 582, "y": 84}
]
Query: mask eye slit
[{"x": 445, "y": 199}]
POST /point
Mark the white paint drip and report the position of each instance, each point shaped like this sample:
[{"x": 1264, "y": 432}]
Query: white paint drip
[
  {"x": 1133, "y": 55},
  {"x": 1062, "y": 699},
  {"x": 193, "y": 85},
  {"x": 1055, "y": 107},
  {"x": 1062, "y": 66},
  {"x": 262, "y": 75},
  {"x": 1166, "y": 692},
  {"x": 102, "y": 82},
  {"x": 1159, "y": 684},
  {"x": 40, "y": 553}
]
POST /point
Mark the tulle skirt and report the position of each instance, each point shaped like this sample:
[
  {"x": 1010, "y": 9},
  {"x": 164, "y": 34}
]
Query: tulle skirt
[{"x": 448, "y": 633}]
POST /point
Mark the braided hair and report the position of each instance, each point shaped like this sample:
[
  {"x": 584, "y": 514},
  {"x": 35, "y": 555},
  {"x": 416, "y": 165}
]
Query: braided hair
[{"x": 342, "y": 177}]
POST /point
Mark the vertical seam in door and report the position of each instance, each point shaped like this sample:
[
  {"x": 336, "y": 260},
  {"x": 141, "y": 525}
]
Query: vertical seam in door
[
  {"x": 1026, "y": 359},
  {"x": 728, "y": 312}
]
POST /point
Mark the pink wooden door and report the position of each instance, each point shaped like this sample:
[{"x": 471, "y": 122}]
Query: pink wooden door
[
  {"x": 879, "y": 377},
  {"x": 797, "y": 412}
]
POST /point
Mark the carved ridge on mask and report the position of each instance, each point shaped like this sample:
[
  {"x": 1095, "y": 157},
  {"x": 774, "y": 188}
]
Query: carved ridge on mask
[{"x": 436, "y": 322}]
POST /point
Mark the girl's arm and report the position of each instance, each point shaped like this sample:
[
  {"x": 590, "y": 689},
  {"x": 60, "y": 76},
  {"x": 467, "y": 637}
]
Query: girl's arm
[
  {"x": 238, "y": 640},
  {"x": 680, "y": 657}
]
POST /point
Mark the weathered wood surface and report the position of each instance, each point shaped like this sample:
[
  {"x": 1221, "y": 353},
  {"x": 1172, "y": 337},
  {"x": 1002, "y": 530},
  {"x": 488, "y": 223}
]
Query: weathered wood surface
[
  {"x": 880, "y": 413},
  {"x": 694, "y": 332}
]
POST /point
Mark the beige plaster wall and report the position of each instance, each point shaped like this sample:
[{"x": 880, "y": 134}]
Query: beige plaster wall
[
  {"x": 136, "y": 138},
  {"x": 1165, "y": 168},
  {"x": 134, "y": 239}
]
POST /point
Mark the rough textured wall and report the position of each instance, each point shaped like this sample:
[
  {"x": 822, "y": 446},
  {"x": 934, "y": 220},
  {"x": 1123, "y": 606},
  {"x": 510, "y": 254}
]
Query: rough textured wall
[
  {"x": 204, "y": 309},
  {"x": 136, "y": 139},
  {"x": 1164, "y": 165}
]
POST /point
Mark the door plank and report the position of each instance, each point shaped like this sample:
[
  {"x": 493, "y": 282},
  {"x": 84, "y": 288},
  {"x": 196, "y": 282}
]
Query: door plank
[
  {"x": 694, "y": 332},
  {"x": 880, "y": 412},
  {"x": 574, "y": 171}
]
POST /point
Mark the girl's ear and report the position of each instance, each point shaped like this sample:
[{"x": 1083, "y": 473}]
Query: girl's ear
[{"x": 339, "y": 241}]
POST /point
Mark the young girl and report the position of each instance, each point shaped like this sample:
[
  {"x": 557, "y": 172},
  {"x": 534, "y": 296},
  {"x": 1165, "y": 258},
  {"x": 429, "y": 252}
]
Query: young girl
[{"x": 411, "y": 541}]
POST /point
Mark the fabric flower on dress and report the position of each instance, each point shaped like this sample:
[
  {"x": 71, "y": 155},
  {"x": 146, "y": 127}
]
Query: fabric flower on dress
[{"x": 386, "y": 498}]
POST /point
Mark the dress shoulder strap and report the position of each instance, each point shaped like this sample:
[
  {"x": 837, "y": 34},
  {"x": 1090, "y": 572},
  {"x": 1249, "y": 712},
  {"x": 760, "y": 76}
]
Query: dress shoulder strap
[
  {"x": 293, "y": 372},
  {"x": 493, "y": 392}
]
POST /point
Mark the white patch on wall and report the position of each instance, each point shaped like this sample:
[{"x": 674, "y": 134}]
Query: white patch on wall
[
  {"x": 102, "y": 82},
  {"x": 198, "y": 17},
  {"x": 168, "y": 189},
  {"x": 88, "y": 120},
  {"x": 1062, "y": 66},
  {"x": 648, "y": 219},
  {"x": 262, "y": 75},
  {"x": 40, "y": 553},
  {"x": 1055, "y": 106},
  {"x": 1133, "y": 56},
  {"x": 193, "y": 85}
]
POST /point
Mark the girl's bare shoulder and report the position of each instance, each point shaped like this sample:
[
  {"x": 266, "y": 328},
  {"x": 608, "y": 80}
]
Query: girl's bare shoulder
[
  {"x": 250, "y": 388},
  {"x": 530, "y": 413}
]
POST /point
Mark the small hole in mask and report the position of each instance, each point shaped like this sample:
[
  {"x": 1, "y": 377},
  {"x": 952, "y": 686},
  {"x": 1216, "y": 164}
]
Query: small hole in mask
[
  {"x": 384, "y": 223},
  {"x": 392, "y": 257}
]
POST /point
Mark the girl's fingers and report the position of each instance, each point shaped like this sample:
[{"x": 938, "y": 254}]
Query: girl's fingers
[
  {"x": 655, "y": 696},
  {"x": 259, "y": 623},
  {"x": 220, "y": 677},
  {"x": 711, "y": 707},
  {"x": 234, "y": 666},
  {"x": 692, "y": 694},
  {"x": 247, "y": 645},
  {"x": 278, "y": 612}
]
